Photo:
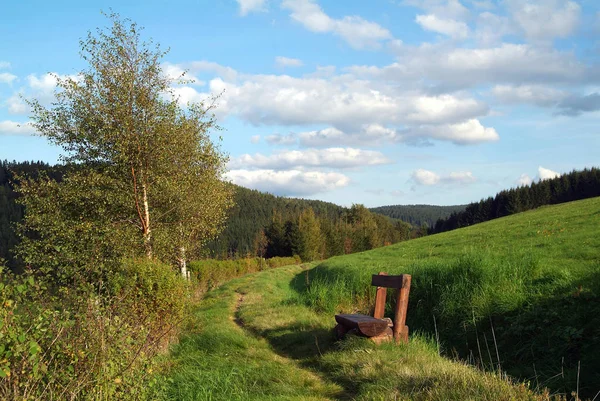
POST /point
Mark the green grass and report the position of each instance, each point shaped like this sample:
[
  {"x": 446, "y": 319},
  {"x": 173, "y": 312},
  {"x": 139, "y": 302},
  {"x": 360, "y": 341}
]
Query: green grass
[
  {"x": 533, "y": 277},
  {"x": 281, "y": 349}
]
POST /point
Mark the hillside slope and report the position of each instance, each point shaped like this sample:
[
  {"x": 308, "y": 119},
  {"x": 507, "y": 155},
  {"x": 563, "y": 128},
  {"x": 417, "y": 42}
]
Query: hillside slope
[{"x": 528, "y": 283}]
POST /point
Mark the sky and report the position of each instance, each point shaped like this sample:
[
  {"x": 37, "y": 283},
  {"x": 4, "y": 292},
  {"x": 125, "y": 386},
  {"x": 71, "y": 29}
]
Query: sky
[{"x": 375, "y": 102}]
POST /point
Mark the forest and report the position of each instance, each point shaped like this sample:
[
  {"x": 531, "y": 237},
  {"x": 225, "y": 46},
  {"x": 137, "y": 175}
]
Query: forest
[
  {"x": 573, "y": 186},
  {"x": 418, "y": 215}
]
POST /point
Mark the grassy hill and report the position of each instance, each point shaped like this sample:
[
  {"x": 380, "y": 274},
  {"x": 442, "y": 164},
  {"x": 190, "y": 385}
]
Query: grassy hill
[
  {"x": 534, "y": 278},
  {"x": 518, "y": 294}
]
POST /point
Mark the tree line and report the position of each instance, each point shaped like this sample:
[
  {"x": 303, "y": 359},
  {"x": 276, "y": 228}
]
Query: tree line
[
  {"x": 573, "y": 186},
  {"x": 418, "y": 215},
  {"x": 266, "y": 225}
]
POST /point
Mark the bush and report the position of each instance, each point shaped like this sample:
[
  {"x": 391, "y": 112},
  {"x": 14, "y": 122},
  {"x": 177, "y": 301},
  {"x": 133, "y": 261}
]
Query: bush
[
  {"x": 211, "y": 272},
  {"x": 84, "y": 343}
]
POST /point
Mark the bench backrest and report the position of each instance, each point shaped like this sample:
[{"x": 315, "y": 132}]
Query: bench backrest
[{"x": 402, "y": 284}]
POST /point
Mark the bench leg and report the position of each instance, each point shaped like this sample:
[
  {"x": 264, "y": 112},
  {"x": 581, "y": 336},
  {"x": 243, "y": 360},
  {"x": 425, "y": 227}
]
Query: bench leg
[
  {"x": 401, "y": 336},
  {"x": 340, "y": 331}
]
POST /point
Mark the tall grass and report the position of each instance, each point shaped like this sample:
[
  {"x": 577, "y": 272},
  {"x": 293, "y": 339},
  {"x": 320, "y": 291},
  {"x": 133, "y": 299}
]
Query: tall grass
[{"x": 525, "y": 288}]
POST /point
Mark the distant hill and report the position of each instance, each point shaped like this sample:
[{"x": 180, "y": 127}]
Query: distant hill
[
  {"x": 417, "y": 215},
  {"x": 254, "y": 210}
]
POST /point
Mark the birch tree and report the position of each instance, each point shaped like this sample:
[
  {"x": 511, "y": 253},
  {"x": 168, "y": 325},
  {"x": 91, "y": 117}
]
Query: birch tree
[{"x": 120, "y": 117}]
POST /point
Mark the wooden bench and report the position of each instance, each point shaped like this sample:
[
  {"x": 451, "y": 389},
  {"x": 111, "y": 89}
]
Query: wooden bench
[{"x": 376, "y": 327}]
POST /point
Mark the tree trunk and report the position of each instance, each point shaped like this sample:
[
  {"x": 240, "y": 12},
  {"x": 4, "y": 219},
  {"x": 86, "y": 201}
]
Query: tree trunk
[
  {"x": 183, "y": 263},
  {"x": 147, "y": 232}
]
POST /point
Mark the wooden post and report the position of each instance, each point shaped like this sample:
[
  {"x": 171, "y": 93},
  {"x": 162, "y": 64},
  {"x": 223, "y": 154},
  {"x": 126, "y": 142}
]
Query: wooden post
[
  {"x": 380, "y": 296},
  {"x": 400, "y": 329}
]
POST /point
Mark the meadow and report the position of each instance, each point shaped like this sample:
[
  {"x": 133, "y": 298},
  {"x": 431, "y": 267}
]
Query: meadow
[{"x": 516, "y": 297}]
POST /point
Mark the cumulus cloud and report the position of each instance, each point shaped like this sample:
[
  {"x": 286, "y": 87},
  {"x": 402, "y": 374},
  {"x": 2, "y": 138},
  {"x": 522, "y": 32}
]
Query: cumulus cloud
[
  {"x": 491, "y": 28},
  {"x": 332, "y": 157},
  {"x": 249, "y": 6},
  {"x": 425, "y": 177},
  {"x": 356, "y": 31},
  {"x": 283, "y": 140},
  {"x": 255, "y": 139},
  {"x": 455, "y": 68},
  {"x": 39, "y": 87},
  {"x": 176, "y": 72},
  {"x": 546, "y": 174},
  {"x": 289, "y": 182},
  {"x": 4, "y": 65},
  {"x": 574, "y": 105},
  {"x": 539, "y": 95},
  {"x": 448, "y": 8},
  {"x": 7, "y": 78},
  {"x": 283, "y": 62},
  {"x": 8, "y": 127},
  {"x": 545, "y": 20},
  {"x": 524, "y": 180},
  {"x": 429, "y": 178},
  {"x": 324, "y": 137},
  {"x": 464, "y": 133},
  {"x": 340, "y": 101},
  {"x": 454, "y": 29}
]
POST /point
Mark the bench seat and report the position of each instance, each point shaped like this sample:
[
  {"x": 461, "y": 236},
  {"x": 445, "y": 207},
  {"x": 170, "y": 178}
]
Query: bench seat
[{"x": 367, "y": 326}]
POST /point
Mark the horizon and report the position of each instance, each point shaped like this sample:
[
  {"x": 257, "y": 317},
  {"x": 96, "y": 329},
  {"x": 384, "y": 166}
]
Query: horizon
[{"x": 415, "y": 102}]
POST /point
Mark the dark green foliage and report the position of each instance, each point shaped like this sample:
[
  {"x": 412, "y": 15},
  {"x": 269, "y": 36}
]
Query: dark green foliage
[
  {"x": 11, "y": 212},
  {"x": 417, "y": 215},
  {"x": 575, "y": 185}
]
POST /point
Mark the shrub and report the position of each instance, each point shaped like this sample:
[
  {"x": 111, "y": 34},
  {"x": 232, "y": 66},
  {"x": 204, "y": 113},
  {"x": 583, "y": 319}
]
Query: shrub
[
  {"x": 211, "y": 272},
  {"x": 85, "y": 342}
]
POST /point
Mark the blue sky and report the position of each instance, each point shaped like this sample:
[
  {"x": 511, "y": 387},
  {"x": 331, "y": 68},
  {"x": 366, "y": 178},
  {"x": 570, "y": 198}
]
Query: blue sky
[{"x": 379, "y": 102}]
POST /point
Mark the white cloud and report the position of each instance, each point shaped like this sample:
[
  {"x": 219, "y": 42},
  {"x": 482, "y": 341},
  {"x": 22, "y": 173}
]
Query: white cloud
[
  {"x": 8, "y": 127},
  {"x": 340, "y": 101},
  {"x": 454, "y": 68},
  {"x": 429, "y": 178},
  {"x": 4, "y": 65},
  {"x": 16, "y": 105},
  {"x": 445, "y": 26},
  {"x": 358, "y": 32},
  {"x": 290, "y": 182},
  {"x": 491, "y": 28},
  {"x": 324, "y": 137},
  {"x": 524, "y": 180},
  {"x": 284, "y": 140},
  {"x": 45, "y": 83},
  {"x": 546, "y": 174},
  {"x": 255, "y": 139},
  {"x": 463, "y": 133},
  {"x": 288, "y": 62},
  {"x": 545, "y": 20},
  {"x": 332, "y": 157},
  {"x": 7, "y": 78},
  {"x": 425, "y": 177},
  {"x": 176, "y": 72},
  {"x": 460, "y": 177},
  {"x": 539, "y": 95},
  {"x": 249, "y": 6},
  {"x": 448, "y": 8}
]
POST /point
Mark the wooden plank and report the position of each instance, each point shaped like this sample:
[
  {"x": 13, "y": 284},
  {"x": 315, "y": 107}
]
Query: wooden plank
[
  {"x": 366, "y": 325},
  {"x": 387, "y": 281},
  {"x": 380, "y": 296}
]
